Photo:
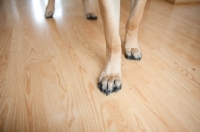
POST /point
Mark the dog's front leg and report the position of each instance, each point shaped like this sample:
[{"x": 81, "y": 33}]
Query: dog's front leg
[
  {"x": 131, "y": 42},
  {"x": 50, "y": 8},
  {"x": 110, "y": 78}
]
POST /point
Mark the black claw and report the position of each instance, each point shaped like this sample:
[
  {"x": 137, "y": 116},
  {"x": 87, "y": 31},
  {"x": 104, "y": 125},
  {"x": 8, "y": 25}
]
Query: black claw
[
  {"x": 114, "y": 90},
  {"x": 128, "y": 57},
  {"x": 92, "y": 17},
  {"x": 105, "y": 92},
  {"x": 49, "y": 16},
  {"x": 117, "y": 89},
  {"x": 101, "y": 89},
  {"x": 108, "y": 92},
  {"x": 99, "y": 85},
  {"x": 132, "y": 57}
]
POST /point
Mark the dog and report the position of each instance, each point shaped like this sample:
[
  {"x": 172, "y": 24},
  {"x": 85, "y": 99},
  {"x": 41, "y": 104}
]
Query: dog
[{"x": 110, "y": 77}]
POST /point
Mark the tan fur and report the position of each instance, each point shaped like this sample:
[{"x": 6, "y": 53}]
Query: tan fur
[
  {"x": 110, "y": 78},
  {"x": 137, "y": 8},
  {"x": 134, "y": 50}
]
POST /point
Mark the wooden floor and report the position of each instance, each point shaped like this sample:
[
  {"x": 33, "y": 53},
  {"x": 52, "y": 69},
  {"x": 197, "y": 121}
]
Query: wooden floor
[{"x": 49, "y": 70}]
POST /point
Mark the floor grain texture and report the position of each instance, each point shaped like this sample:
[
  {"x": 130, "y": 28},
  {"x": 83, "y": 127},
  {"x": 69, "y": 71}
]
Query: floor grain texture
[{"x": 49, "y": 70}]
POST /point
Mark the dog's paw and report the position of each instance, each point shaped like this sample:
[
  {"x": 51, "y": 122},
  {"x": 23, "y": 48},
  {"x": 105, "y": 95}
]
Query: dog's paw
[
  {"x": 133, "y": 54},
  {"x": 91, "y": 16},
  {"x": 49, "y": 12},
  {"x": 109, "y": 84}
]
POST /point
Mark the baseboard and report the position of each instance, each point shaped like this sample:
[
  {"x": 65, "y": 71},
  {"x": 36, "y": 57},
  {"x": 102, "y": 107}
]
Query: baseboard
[{"x": 183, "y": 1}]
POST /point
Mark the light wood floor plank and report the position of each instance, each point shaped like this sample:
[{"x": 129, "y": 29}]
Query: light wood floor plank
[{"x": 49, "y": 70}]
